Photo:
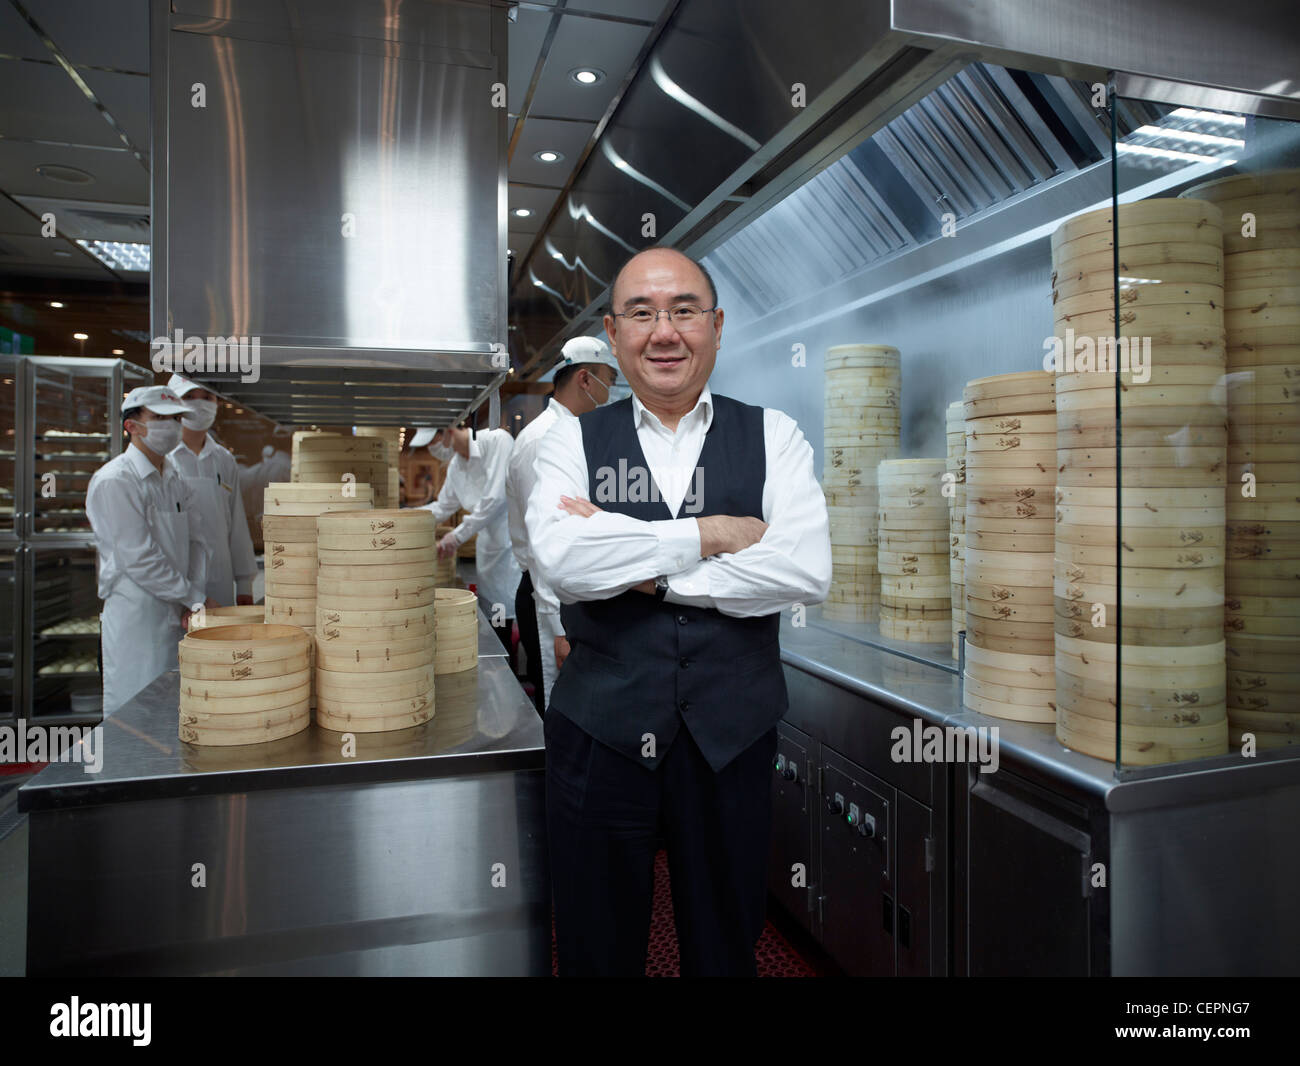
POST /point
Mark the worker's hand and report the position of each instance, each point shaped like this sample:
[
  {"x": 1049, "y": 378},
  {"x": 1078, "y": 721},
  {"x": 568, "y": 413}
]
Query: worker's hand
[
  {"x": 722, "y": 533},
  {"x": 447, "y": 546},
  {"x": 579, "y": 506},
  {"x": 561, "y": 651},
  {"x": 185, "y": 619},
  {"x": 245, "y": 600}
]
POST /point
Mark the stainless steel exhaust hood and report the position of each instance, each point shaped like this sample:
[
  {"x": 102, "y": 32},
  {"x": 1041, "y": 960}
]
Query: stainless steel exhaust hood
[{"x": 329, "y": 188}]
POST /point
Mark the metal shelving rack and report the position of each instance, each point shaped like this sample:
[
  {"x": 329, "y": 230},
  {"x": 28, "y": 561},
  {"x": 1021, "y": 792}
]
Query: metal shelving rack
[{"x": 60, "y": 418}]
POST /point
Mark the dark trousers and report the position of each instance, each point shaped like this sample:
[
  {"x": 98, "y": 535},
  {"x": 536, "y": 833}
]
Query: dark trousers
[
  {"x": 604, "y": 814},
  {"x": 526, "y": 616}
]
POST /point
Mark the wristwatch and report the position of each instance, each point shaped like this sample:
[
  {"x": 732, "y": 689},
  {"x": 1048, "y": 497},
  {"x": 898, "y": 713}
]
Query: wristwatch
[{"x": 661, "y": 587}]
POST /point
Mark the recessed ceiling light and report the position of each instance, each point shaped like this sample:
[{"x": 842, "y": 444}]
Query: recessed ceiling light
[
  {"x": 81, "y": 336},
  {"x": 56, "y": 303},
  {"x": 67, "y": 175},
  {"x": 118, "y": 351},
  {"x": 119, "y": 255},
  {"x": 548, "y": 156},
  {"x": 521, "y": 212},
  {"x": 587, "y": 75}
]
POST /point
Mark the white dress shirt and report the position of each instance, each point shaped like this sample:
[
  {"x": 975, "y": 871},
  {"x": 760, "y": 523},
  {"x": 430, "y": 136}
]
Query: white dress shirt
[
  {"x": 521, "y": 479},
  {"x": 124, "y": 501},
  {"x": 606, "y": 554},
  {"x": 478, "y": 484},
  {"x": 214, "y": 474}
]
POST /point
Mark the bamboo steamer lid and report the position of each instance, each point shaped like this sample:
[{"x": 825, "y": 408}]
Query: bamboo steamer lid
[
  {"x": 231, "y": 671},
  {"x": 253, "y": 735},
  {"x": 219, "y": 616},
  {"x": 243, "y": 643},
  {"x": 1154, "y": 212},
  {"x": 861, "y": 355}
]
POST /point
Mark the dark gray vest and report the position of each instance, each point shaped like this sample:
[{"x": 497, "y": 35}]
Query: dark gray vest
[{"x": 639, "y": 666}]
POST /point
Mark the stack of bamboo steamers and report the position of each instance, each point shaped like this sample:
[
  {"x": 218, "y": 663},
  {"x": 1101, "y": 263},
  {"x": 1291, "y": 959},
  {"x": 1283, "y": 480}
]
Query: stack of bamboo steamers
[
  {"x": 1010, "y": 477},
  {"x": 1169, "y": 512},
  {"x": 375, "y": 620},
  {"x": 915, "y": 587},
  {"x": 392, "y": 437},
  {"x": 957, "y": 520},
  {"x": 863, "y": 385},
  {"x": 335, "y": 459},
  {"x": 1261, "y": 269},
  {"x": 244, "y": 684}
]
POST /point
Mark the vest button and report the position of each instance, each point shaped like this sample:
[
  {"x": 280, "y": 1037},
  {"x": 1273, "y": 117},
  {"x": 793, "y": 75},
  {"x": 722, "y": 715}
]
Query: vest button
[
  {"x": 681, "y": 619},
  {"x": 683, "y": 663},
  {"x": 684, "y": 705}
]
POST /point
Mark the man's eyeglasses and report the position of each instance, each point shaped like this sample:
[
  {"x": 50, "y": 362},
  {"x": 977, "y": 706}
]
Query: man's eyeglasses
[{"x": 683, "y": 316}]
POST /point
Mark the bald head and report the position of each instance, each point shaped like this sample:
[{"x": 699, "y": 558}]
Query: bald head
[{"x": 704, "y": 292}]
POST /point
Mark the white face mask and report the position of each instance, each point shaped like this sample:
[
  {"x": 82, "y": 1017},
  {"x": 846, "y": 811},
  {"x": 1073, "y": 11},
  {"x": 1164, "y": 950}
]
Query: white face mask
[
  {"x": 441, "y": 452},
  {"x": 161, "y": 436},
  {"x": 202, "y": 414},
  {"x": 598, "y": 403}
]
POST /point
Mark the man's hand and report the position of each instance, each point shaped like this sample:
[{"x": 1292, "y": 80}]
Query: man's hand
[
  {"x": 245, "y": 600},
  {"x": 728, "y": 534},
  {"x": 561, "y": 651},
  {"x": 578, "y": 506},
  {"x": 185, "y": 619},
  {"x": 447, "y": 546}
]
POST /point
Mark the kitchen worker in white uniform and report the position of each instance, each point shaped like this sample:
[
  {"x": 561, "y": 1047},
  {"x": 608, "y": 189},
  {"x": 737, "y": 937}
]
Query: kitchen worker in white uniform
[
  {"x": 152, "y": 558},
  {"x": 213, "y": 474},
  {"x": 583, "y": 378},
  {"x": 476, "y": 482}
]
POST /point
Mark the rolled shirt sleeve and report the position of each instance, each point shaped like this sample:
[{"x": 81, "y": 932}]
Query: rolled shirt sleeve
[
  {"x": 792, "y": 563},
  {"x": 601, "y": 556}
]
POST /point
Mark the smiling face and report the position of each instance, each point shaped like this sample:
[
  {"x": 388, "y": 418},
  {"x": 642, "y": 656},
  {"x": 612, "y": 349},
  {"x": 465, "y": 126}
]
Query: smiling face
[{"x": 667, "y": 366}]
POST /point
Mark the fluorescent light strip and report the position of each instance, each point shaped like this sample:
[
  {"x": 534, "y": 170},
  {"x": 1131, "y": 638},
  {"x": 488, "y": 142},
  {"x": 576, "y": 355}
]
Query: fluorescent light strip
[
  {"x": 1197, "y": 115},
  {"x": 1188, "y": 135},
  {"x": 1169, "y": 153},
  {"x": 119, "y": 255}
]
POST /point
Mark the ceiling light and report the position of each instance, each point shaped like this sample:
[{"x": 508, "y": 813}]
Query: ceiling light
[
  {"x": 118, "y": 351},
  {"x": 1188, "y": 135},
  {"x": 66, "y": 175},
  {"x": 548, "y": 156},
  {"x": 81, "y": 336},
  {"x": 56, "y": 303},
  {"x": 587, "y": 75},
  {"x": 119, "y": 255},
  {"x": 521, "y": 212},
  {"x": 1166, "y": 153}
]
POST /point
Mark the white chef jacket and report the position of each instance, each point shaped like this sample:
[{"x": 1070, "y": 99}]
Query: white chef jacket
[
  {"x": 521, "y": 479},
  {"x": 213, "y": 474},
  {"x": 478, "y": 484},
  {"x": 606, "y": 554},
  {"x": 152, "y": 566}
]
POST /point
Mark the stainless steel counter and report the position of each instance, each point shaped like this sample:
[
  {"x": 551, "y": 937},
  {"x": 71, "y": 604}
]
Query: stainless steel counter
[
  {"x": 933, "y": 694},
  {"x": 422, "y": 854}
]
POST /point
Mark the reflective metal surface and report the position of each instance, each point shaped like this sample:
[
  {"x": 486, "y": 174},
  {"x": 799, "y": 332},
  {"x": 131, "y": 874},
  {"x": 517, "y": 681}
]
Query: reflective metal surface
[
  {"x": 482, "y": 723},
  {"x": 1182, "y": 40},
  {"x": 331, "y": 182}
]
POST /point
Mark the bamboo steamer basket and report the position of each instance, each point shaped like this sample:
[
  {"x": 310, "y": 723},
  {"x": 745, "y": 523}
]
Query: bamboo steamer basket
[
  {"x": 394, "y": 619},
  {"x": 244, "y": 644},
  {"x": 456, "y": 623},
  {"x": 220, "y": 616},
  {"x": 275, "y": 689},
  {"x": 308, "y": 499},
  {"x": 378, "y": 656},
  {"x": 915, "y": 581},
  {"x": 846, "y": 356},
  {"x": 386, "y": 716},
  {"x": 273, "y": 729},
  {"x": 336, "y": 446},
  {"x": 376, "y": 523}
]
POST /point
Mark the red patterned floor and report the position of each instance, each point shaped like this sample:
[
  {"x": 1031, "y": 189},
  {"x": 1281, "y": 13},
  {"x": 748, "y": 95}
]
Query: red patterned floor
[{"x": 774, "y": 954}]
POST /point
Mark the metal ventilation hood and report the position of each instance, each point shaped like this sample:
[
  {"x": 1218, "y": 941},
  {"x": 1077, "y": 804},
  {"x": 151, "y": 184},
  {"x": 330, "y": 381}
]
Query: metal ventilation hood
[
  {"x": 329, "y": 182},
  {"x": 914, "y": 108}
]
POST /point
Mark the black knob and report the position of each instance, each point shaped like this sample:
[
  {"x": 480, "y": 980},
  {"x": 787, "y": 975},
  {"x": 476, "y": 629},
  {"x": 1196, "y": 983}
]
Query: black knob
[
  {"x": 789, "y": 773},
  {"x": 835, "y": 804},
  {"x": 867, "y": 827}
]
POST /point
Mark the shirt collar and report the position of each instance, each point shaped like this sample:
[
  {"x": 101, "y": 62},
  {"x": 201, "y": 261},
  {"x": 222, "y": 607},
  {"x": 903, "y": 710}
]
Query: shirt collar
[
  {"x": 640, "y": 412},
  {"x": 559, "y": 409},
  {"x": 139, "y": 462},
  {"x": 475, "y": 451}
]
